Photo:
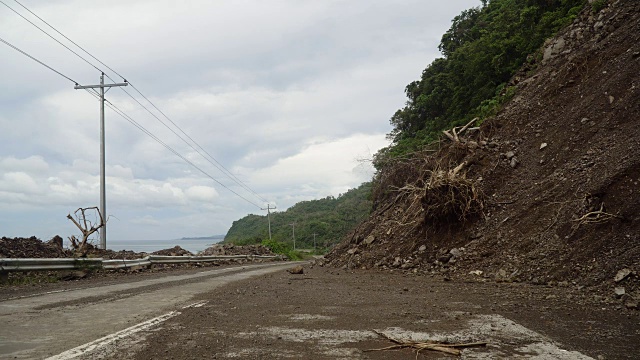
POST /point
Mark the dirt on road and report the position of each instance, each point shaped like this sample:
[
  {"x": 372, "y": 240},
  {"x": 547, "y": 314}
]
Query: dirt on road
[{"x": 332, "y": 314}]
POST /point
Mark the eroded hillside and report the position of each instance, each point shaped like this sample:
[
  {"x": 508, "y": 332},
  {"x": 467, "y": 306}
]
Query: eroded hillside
[{"x": 547, "y": 192}]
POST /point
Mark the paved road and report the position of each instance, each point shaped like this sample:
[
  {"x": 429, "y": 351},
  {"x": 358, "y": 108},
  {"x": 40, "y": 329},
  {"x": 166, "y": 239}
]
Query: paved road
[
  {"x": 263, "y": 312},
  {"x": 53, "y": 323}
]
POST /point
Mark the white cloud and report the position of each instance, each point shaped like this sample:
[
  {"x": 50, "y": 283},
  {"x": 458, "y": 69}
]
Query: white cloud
[{"x": 286, "y": 94}]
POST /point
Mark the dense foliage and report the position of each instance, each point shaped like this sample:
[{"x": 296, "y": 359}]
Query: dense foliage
[
  {"x": 329, "y": 218},
  {"x": 482, "y": 50}
]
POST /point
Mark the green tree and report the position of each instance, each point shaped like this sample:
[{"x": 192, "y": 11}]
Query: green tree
[{"x": 482, "y": 50}]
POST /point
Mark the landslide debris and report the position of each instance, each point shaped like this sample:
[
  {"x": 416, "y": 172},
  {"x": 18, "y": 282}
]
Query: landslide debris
[
  {"x": 32, "y": 247},
  {"x": 546, "y": 192},
  {"x": 174, "y": 251},
  {"x": 231, "y": 249}
]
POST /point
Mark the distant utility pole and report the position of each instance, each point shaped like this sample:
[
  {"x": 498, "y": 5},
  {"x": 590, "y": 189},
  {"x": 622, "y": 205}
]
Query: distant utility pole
[
  {"x": 314, "y": 241},
  {"x": 103, "y": 192},
  {"x": 269, "y": 217},
  {"x": 293, "y": 224}
]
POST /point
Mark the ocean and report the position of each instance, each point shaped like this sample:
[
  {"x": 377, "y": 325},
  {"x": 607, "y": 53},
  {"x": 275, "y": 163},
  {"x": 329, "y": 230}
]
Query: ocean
[{"x": 149, "y": 246}]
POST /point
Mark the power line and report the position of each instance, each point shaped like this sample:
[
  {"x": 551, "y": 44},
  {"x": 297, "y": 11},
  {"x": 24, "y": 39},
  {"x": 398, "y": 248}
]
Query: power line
[
  {"x": 133, "y": 122},
  {"x": 233, "y": 177},
  {"x": 38, "y": 61},
  {"x": 49, "y": 35},
  {"x": 217, "y": 164},
  {"x": 71, "y": 41},
  {"x": 151, "y": 135}
]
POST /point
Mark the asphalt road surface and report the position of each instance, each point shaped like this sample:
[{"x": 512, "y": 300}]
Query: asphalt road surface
[
  {"x": 263, "y": 312},
  {"x": 55, "y": 322}
]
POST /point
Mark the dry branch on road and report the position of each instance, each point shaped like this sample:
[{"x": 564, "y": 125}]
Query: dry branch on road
[{"x": 452, "y": 349}]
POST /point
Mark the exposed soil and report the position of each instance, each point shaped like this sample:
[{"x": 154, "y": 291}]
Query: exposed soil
[
  {"x": 31, "y": 248},
  {"x": 331, "y": 314},
  {"x": 555, "y": 177}
]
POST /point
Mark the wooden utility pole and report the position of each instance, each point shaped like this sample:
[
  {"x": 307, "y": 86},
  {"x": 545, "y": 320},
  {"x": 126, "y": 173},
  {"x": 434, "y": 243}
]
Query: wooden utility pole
[{"x": 103, "y": 192}]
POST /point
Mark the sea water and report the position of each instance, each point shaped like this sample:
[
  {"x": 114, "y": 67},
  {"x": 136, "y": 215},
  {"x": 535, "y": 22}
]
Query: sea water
[{"x": 149, "y": 246}]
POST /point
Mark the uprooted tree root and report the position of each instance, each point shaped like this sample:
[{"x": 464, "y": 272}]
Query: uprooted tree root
[
  {"x": 429, "y": 186},
  {"x": 594, "y": 217},
  {"x": 453, "y": 349},
  {"x": 450, "y": 196}
]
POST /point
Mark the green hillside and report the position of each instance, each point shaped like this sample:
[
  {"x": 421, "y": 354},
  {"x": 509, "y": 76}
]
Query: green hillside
[
  {"x": 482, "y": 50},
  {"x": 329, "y": 218}
]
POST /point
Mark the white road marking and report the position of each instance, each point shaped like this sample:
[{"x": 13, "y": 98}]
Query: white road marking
[
  {"x": 196, "y": 304},
  {"x": 88, "y": 347},
  {"x": 505, "y": 339}
]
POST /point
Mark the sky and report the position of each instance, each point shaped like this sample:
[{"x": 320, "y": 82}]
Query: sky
[{"x": 291, "y": 97}]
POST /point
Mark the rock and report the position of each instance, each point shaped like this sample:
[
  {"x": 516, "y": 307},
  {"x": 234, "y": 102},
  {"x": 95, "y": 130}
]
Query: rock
[
  {"x": 74, "y": 275},
  {"x": 369, "y": 240},
  {"x": 296, "y": 270},
  {"x": 553, "y": 49},
  {"x": 514, "y": 162},
  {"x": 352, "y": 251},
  {"x": 611, "y": 99},
  {"x": 56, "y": 241},
  {"x": 619, "y": 291},
  {"x": 396, "y": 262},
  {"x": 543, "y": 145},
  {"x": 455, "y": 252},
  {"x": 445, "y": 258},
  {"x": 632, "y": 305},
  {"x": 621, "y": 275},
  {"x": 422, "y": 248},
  {"x": 476, "y": 272},
  {"x": 501, "y": 274},
  {"x": 509, "y": 155}
]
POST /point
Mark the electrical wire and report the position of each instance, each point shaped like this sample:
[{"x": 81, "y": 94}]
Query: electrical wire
[
  {"x": 38, "y": 61},
  {"x": 151, "y": 135},
  {"x": 224, "y": 169},
  {"x": 215, "y": 162},
  {"x": 49, "y": 35},
  {"x": 71, "y": 41}
]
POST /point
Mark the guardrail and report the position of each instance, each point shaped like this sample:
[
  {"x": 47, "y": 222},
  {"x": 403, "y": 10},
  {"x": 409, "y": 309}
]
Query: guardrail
[{"x": 41, "y": 264}]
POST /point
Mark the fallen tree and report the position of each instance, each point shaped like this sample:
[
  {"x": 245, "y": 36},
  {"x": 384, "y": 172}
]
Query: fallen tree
[{"x": 87, "y": 227}]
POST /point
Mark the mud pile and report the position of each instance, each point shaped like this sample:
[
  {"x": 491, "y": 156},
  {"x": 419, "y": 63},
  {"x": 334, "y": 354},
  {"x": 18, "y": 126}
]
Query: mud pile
[
  {"x": 557, "y": 174},
  {"x": 230, "y": 249},
  {"x": 32, "y": 248},
  {"x": 174, "y": 251}
]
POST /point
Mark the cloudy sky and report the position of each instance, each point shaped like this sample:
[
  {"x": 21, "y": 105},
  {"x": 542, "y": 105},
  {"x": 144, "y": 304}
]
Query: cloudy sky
[{"x": 291, "y": 96}]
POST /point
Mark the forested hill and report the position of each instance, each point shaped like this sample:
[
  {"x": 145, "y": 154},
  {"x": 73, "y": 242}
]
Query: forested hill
[
  {"x": 482, "y": 51},
  {"x": 329, "y": 218}
]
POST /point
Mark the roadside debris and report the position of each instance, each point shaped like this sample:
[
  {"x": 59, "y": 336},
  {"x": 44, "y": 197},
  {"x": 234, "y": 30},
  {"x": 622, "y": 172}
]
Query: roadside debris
[
  {"x": 296, "y": 270},
  {"x": 453, "y": 349}
]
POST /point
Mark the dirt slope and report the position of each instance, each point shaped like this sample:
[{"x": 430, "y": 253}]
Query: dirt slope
[{"x": 557, "y": 173}]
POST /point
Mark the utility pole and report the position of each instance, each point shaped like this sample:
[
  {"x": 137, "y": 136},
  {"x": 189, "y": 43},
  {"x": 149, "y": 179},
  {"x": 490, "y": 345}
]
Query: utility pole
[
  {"x": 103, "y": 191},
  {"x": 293, "y": 224},
  {"x": 314, "y": 241},
  {"x": 268, "y": 217}
]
